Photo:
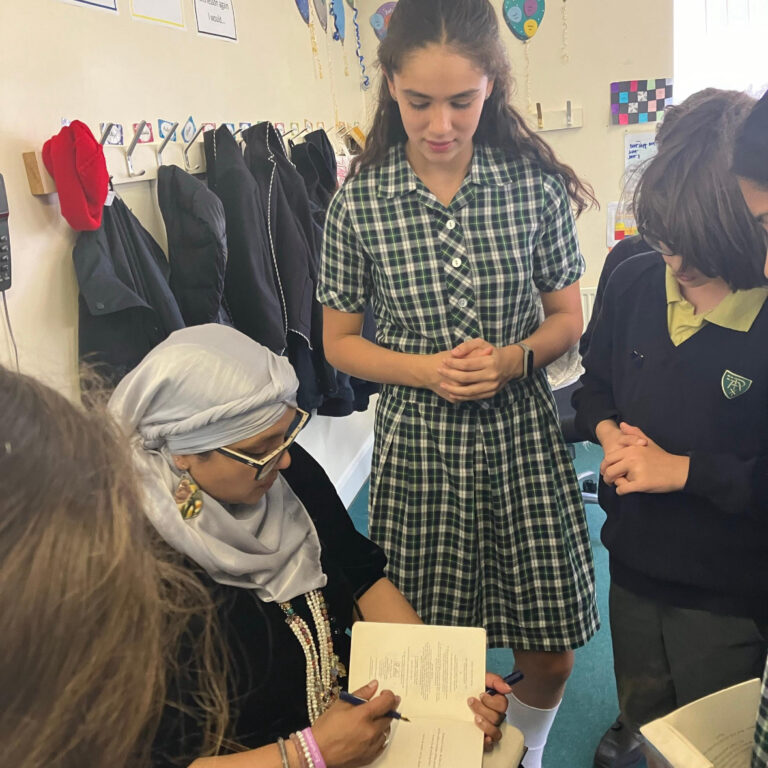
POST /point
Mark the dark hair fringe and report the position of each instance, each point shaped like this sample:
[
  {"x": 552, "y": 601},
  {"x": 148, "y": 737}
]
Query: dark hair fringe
[
  {"x": 688, "y": 198},
  {"x": 470, "y": 27}
]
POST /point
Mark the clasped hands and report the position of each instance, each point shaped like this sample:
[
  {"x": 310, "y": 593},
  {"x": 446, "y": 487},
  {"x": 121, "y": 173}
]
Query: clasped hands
[
  {"x": 474, "y": 370},
  {"x": 634, "y": 463}
]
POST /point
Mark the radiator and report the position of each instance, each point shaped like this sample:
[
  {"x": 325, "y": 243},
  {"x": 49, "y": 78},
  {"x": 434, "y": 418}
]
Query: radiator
[{"x": 587, "y": 303}]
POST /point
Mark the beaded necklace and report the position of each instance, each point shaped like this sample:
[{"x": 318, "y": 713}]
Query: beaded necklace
[{"x": 322, "y": 663}]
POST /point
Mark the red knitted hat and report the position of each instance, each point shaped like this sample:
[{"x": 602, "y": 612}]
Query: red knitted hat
[{"x": 76, "y": 161}]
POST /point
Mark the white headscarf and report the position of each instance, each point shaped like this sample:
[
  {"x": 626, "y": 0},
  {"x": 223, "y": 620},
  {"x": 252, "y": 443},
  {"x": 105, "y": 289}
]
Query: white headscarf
[{"x": 205, "y": 387}]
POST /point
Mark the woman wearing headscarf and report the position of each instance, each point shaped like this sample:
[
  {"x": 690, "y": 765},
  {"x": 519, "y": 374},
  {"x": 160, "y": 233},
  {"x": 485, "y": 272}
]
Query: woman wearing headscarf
[{"x": 212, "y": 414}]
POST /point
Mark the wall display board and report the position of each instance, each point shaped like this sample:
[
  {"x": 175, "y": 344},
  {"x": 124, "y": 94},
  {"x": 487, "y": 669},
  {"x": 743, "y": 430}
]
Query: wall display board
[
  {"x": 303, "y": 6},
  {"x": 640, "y": 101}
]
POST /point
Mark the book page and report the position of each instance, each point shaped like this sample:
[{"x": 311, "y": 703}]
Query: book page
[
  {"x": 428, "y": 743},
  {"x": 433, "y": 669},
  {"x": 717, "y": 730}
]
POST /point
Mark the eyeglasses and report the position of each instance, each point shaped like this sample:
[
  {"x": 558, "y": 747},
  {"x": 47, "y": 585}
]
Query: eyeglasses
[{"x": 265, "y": 465}]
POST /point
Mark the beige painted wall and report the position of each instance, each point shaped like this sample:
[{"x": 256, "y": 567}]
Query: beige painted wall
[
  {"x": 59, "y": 60},
  {"x": 606, "y": 42}
]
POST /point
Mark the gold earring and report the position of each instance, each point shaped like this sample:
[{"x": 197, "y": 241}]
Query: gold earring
[{"x": 188, "y": 497}]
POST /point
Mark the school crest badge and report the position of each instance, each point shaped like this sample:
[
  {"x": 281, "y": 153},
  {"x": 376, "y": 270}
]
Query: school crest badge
[{"x": 734, "y": 385}]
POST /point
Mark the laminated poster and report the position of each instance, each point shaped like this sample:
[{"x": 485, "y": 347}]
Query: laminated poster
[
  {"x": 106, "y": 5},
  {"x": 216, "y": 18},
  {"x": 167, "y": 12}
]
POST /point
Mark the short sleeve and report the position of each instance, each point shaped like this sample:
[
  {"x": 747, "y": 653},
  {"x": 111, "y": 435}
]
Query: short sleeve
[
  {"x": 344, "y": 282},
  {"x": 557, "y": 259}
]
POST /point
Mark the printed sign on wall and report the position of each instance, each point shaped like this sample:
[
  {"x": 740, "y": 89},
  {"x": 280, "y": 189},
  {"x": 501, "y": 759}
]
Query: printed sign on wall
[
  {"x": 216, "y": 18},
  {"x": 161, "y": 11},
  {"x": 640, "y": 101},
  {"x": 107, "y": 5}
]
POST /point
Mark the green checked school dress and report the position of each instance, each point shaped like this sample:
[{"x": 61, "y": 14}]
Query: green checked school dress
[{"x": 475, "y": 504}]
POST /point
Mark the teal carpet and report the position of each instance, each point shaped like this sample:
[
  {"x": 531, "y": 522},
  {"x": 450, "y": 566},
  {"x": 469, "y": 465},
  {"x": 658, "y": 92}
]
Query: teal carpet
[{"x": 589, "y": 705}]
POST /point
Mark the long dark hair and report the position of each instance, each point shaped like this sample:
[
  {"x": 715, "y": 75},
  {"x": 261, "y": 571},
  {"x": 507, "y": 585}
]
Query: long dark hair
[
  {"x": 689, "y": 199},
  {"x": 470, "y": 28},
  {"x": 94, "y": 606}
]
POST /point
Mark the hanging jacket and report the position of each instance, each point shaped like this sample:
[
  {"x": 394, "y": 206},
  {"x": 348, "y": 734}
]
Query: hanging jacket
[
  {"x": 251, "y": 287},
  {"x": 125, "y": 305},
  {"x": 315, "y": 160},
  {"x": 197, "y": 245},
  {"x": 295, "y": 251}
]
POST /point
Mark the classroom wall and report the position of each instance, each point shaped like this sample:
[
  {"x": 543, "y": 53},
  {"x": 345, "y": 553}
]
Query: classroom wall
[
  {"x": 59, "y": 60},
  {"x": 604, "y": 42}
]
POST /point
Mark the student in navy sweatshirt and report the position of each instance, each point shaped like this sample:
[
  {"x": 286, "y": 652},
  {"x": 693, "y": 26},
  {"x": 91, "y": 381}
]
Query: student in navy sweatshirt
[
  {"x": 676, "y": 391},
  {"x": 750, "y": 163}
]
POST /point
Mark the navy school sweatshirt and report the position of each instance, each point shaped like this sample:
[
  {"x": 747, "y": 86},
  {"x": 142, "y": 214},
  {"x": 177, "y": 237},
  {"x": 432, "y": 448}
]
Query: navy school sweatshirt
[{"x": 706, "y": 546}]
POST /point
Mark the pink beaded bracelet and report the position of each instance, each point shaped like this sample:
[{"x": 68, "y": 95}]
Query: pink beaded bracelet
[
  {"x": 299, "y": 747},
  {"x": 314, "y": 750}
]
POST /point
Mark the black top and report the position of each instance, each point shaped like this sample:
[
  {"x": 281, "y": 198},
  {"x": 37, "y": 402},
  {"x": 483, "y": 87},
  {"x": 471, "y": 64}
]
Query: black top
[
  {"x": 706, "y": 546},
  {"x": 268, "y": 677},
  {"x": 623, "y": 250}
]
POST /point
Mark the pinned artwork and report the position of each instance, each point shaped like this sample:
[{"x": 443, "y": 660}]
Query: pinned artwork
[
  {"x": 524, "y": 17},
  {"x": 322, "y": 13},
  {"x": 166, "y": 127},
  {"x": 380, "y": 19},
  {"x": 303, "y": 6},
  {"x": 336, "y": 9},
  {"x": 115, "y": 136},
  {"x": 640, "y": 101},
  {"x": 189, "y": 130}
]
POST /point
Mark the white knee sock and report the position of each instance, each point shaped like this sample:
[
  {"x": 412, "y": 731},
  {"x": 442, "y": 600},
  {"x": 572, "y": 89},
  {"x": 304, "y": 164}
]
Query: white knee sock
[{"x": 535, "y": 724}]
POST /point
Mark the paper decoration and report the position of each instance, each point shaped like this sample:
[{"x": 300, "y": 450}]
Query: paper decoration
[
  {"x": 164, "y": 128},
  {"x": 216, "y": 18},
  {"x": 336, "y": 9},
  {"x": 303, "y": 6},
  {"x": 365, "y": 81},
  {"x": 322, "y": 13},
  {"x": 638, "y": 148},
  {"x": 524, "y": 17},
  {"x": 189, "y": 130},
  {"x": 640, "y": 101},
  {"x": 243, "y": 126},
  {"x": 208, "y": 127},
  {"x": 147, "y": 135},
  {"x": 115, "y": 137},
  {"x": 380, "y": 19},
  {"x": 167, "y": 12}
]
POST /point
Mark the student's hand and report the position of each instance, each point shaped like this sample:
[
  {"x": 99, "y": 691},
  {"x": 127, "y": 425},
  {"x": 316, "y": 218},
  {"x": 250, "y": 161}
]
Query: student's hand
[
  {"x": 431, "y": 376},
  {"x": 490, "y": 711},
  {"x": 476, "y": 370},
  {"x": 644, "y": 468},
  {"x": 348, "y": 735},
  {"x": 612, "y": 437}
]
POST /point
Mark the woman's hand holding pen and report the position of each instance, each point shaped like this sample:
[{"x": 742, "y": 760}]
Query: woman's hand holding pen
[
  {"x": 635, "y": 464},
  {"x": 349, "y": 736},
  {"x": 490, "y": 711}
]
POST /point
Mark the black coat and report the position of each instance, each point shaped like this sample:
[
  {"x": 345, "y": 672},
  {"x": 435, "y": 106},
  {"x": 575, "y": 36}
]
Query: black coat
[
  {"x": 126, "y": 305},
  {"x": 197, "y": 245},
  {"x": 293, "y": 237},
  {"x": 250, "y": 285},
  {"x": 267, "y": 665}
]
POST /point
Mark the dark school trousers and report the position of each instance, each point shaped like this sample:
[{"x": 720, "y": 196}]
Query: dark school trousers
[{"x": 665, "y": 657}]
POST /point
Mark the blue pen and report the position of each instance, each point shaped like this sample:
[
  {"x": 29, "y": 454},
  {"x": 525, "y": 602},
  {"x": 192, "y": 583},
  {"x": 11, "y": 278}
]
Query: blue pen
[
  {"x": 352, "y": 699},
  {"x": 510, "y": 679}
]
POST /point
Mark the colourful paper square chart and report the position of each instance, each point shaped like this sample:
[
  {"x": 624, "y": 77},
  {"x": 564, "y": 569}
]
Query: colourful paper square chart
[{"x": 640, "y": 101}]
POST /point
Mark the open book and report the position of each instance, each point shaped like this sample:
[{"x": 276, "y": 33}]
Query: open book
[
  {"x": 434, "y": 670},
  {"x": 714, "y": 732}
]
